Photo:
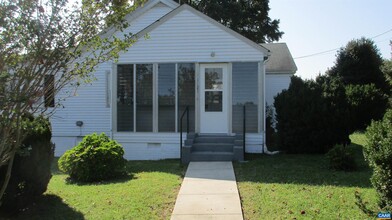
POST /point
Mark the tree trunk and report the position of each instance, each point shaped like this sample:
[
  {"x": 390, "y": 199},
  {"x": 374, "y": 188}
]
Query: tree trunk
[{"x": 7, "y": 176}]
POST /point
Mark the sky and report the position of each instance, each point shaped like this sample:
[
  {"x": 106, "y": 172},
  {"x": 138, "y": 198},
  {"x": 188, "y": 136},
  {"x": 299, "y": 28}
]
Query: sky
[{"x": 315, "y": 26}]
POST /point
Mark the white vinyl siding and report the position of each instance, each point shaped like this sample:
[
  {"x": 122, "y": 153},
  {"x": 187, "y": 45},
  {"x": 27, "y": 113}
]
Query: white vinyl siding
[
  {"x": 87, "y": 103},
  {"x": 274, "y": 84},
  {"x": 146, "y": 19},
  {"x": 187, "y": 37}
]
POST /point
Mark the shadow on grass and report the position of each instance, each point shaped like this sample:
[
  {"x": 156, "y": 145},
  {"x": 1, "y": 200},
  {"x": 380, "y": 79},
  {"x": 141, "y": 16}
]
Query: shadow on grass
[
  {"x": 302, "y": 169},
  {"x": 48, "y": 207},
  {"x": 171, "y": 166},
  {"x": 121, "y": 179}
]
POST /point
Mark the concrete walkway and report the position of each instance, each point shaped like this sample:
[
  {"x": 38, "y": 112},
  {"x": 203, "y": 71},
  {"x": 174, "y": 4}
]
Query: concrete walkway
[{"x": 209, "y": 191}]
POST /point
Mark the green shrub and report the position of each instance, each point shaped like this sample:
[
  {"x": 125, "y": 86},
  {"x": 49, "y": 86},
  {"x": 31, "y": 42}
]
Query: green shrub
[
  {"x": 95, "y": 158},
  {"x": 341, "y": 158},
  {"x": 307, "y": 121},
  {"x": 378, "y": 152},
  {"x": 31, "y": 171}
]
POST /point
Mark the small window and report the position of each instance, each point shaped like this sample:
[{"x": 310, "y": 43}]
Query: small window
[{"x": 49, "y": 91}]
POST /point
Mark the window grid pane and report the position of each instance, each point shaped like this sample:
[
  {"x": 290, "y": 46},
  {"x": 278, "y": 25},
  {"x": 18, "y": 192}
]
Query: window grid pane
[
  {"x": 186, "y": 94},
  {"x": 125, "y": 102},
  {"x": 166, "y": 97},
  {"x": 144, "y": 98}
]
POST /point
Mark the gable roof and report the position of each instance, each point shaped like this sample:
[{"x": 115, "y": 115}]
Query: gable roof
[
  {"x": 148, "y": 5},
  {"x": 280, "y": 60},
  {"x": 183, "y": 7}
]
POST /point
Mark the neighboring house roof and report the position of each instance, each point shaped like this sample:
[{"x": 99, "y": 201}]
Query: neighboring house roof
[
  {"x": 183, "y": 7},
  {"x": 280, "y": 61},
  {"x": 148, "y": 5}
]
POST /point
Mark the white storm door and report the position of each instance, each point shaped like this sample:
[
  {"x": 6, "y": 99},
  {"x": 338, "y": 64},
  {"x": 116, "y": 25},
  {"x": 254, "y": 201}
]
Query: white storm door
[{"x": 213, "y": 98}]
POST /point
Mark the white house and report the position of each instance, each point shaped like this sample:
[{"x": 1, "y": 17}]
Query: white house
[{"x": 188, "y": 60}]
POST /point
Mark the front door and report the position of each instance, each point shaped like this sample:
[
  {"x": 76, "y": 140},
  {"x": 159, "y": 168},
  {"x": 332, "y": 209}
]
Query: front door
[{"x": 213, "y": 98}]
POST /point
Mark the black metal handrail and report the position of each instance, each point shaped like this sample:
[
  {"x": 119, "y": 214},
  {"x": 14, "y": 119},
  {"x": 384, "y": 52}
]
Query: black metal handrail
[
  {"x": 187, "y": 128},
  {"x": 244, "y": 130}
]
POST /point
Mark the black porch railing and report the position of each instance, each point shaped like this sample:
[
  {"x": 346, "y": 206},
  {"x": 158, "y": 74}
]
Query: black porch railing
[
  {"x": 244, "y": 130},
  {"x": 186, "y": 111}
]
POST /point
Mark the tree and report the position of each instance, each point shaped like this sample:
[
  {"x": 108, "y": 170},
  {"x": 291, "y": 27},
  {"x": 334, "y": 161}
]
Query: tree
[
  {"x": 386, "y": 68},
  {"x": 45, "y": 46},
  {"x": 359, "y": 63},
  {"x": 247, "y": 17},
  {"x": 358, "y": 67}
]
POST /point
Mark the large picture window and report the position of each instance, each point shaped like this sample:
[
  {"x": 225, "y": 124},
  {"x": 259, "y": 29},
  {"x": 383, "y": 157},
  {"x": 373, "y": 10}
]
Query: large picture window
[{"x": 140, "y": 107}]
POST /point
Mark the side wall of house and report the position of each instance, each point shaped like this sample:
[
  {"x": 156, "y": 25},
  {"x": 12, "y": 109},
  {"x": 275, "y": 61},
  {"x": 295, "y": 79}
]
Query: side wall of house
[
  {"x": 274, "y": 84},
  {"x": 88, "y": 103}
]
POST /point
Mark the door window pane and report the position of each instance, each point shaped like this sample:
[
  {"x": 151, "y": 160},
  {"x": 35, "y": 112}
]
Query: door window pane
[
  {"x": 125, "y": 100},
  {"x": 214, "y": 78},
  {"x": 213, "y": 101},
  {"x": 166, "y": 97},
  {"x": 144, "y": 98},
  {"x": 186, "y": 93}
]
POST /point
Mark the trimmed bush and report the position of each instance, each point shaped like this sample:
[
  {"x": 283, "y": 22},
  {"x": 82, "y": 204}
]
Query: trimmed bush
[
  {"x": 306, "y": 120},
  {"x": 378, "y": 152},
  {"x": 96, "y": 158},
  {"x": 31, "y": 171},
  {"x": 341, "y": 158}
]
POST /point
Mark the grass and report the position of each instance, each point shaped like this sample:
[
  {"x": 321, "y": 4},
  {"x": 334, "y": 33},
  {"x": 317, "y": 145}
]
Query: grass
[
  {"x": 271, "y": 187},
  {"x": 148, "y": 193},
  {"x": 302, "y": 187}
]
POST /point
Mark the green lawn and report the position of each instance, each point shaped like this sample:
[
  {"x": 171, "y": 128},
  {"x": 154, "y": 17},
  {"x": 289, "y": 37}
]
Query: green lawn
[
  {"x": 148, "y": 193},
  {"x": 302, "y": 187},
  {"x": 271, "y": 187}
]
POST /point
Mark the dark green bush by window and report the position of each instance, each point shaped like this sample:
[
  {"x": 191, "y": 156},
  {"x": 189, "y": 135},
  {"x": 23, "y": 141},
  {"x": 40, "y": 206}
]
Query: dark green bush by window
[{"x": 96, "y": 158}]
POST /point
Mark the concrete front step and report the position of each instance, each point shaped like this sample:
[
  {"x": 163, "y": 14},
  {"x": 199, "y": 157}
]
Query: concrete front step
[
  {"x": 214, "y": 147},
  {"x": 211, "y": 156},
  {"x": 214, "y": 139}
]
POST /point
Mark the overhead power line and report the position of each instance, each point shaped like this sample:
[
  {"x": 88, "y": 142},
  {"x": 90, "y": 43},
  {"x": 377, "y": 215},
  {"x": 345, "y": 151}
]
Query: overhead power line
[{"x": 335, "y": 49}]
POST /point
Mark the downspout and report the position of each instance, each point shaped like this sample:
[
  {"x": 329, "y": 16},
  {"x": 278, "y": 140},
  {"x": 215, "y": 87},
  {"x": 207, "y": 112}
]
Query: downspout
[{"x": 265, "y": 150}]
